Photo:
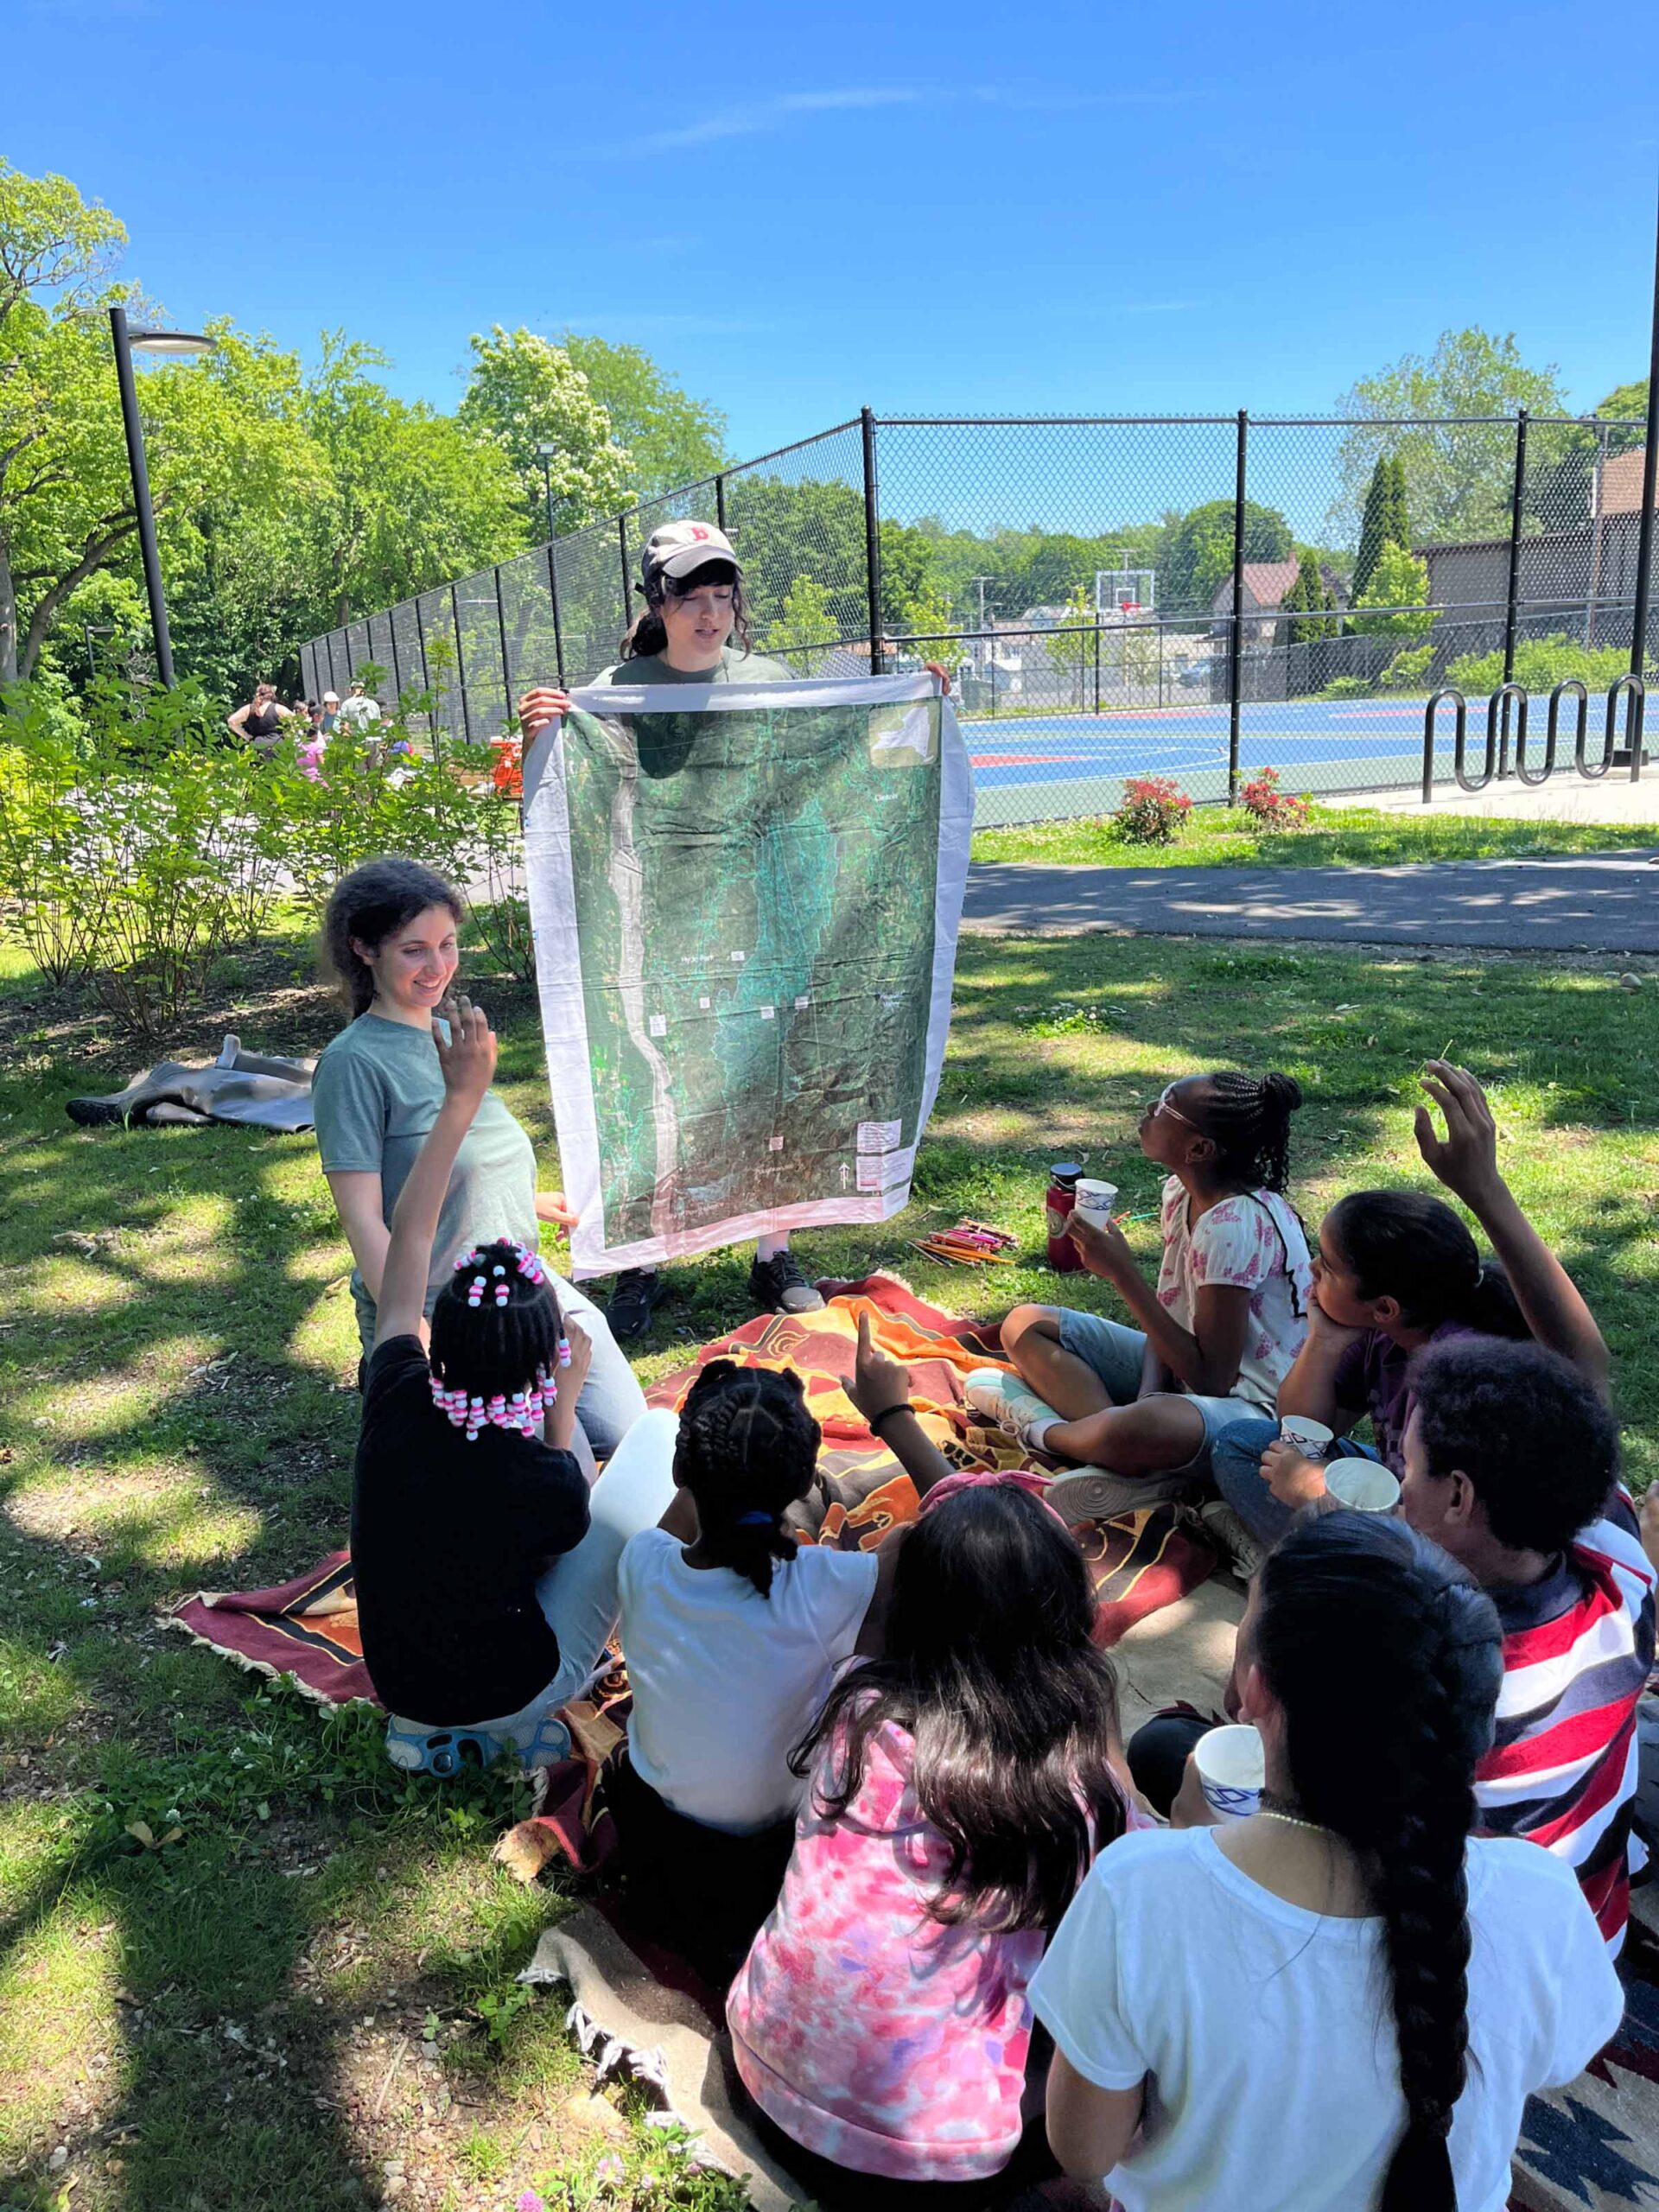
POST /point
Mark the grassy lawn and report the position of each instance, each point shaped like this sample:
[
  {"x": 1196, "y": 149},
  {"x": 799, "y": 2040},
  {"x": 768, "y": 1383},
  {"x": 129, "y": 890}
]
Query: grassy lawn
[
  {"x": 314, "y": 1976},
  {"x": 1361, "y": 836}
]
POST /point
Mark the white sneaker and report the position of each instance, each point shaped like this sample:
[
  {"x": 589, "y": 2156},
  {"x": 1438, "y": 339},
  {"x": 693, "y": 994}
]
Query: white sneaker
[
  {"x": 1004, "y": 1399},
  {"x": 1224, "y": 1526},
  {"x": 1096, "y": 1494}
]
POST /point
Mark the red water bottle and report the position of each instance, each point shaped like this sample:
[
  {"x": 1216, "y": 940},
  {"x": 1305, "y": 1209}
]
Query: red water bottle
[{"x": 1062, "y": 1255}]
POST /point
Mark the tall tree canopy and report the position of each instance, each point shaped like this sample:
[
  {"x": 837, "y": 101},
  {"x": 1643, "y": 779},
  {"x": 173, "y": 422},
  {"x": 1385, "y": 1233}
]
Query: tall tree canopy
[{"x": 670, "y": 438}]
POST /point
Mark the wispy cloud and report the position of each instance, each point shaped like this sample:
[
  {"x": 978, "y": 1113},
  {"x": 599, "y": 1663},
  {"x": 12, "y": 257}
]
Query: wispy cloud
[{"x": 763, "y": 116}]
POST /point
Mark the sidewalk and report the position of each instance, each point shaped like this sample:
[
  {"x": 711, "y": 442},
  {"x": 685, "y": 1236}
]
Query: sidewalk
[
  {"x": 1566, "y": 797},
  {"x": 1602, "y": 902}
]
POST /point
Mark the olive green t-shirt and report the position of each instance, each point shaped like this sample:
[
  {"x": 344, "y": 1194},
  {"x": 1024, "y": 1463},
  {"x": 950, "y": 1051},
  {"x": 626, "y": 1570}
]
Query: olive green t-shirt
[
  {"x": 375, "y": 1095},
  {"x": 734, "y": 668}
]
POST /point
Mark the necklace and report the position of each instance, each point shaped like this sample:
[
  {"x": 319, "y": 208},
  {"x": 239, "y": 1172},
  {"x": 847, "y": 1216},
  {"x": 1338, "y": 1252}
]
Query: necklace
[{"x": 1291, "y": 1820}]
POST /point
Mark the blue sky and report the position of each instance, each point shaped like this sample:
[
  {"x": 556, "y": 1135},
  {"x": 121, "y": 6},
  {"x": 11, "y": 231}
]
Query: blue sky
[{"x": 799, "y": 210}]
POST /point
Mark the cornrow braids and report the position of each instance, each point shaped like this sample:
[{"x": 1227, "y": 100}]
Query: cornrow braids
[
  {"x": 747, "y": 1449},
  {"x": 1248, "y": 1119},
  {"x": 488, "y": 1350},
  {"x": 1385, "y": 1659}
]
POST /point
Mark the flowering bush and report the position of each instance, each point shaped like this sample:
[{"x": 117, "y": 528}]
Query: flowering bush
[
  {"x": 1152, "y": 810},
  {"x": 1272, "y": 808}
]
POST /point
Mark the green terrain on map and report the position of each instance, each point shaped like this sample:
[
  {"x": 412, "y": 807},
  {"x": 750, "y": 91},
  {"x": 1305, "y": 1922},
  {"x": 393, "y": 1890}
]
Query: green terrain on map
[{"x": 755, "y": 903}]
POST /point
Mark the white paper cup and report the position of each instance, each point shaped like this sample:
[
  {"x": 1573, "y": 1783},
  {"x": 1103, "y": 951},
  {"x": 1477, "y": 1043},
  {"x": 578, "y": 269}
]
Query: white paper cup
[
  {"x": 1230, "y": 1768},
  {"x": 1361, "y": 1486},
  {"x": 1095, "y": 1200},
  {"x": 1311, "y": 1438}
]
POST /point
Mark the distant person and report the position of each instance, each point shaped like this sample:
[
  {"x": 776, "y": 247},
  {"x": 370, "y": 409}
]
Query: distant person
[
  {"x": 260, "y": 722},
  {"x": 360, "y": 711},
  {"x": 694, "y": 629},
  {"x": 330, "y": 712}
]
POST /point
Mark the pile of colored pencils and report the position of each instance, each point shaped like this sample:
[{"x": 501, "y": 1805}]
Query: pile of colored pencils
[{"x": 970, "y": 1244}]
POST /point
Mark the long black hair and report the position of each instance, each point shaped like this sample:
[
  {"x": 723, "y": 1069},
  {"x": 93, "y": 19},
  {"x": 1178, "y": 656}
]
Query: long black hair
[
  {"x": 647, "y": 634},
  {"x": 990, "y": 1670},
  {"x": 489, "y": 1351},
  {"x": 369, "y": 905},
  {"x": 747, "y": 1451},
  {"x": 1385, "y": 1658},
  {"x": 1246, "y": 1118},
  {"x": 1406, "y": 1245}
]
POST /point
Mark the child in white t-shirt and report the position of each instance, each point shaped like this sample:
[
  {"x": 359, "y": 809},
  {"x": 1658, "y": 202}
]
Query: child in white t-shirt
[
  {"x": 1342, "y": 1999},
  {"x": 735, "y": 1638},
  {"x": 1216, "y": 1335}
]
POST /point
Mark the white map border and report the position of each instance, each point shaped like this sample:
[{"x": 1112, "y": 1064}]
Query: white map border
[{"x": 564, "y": 1022}]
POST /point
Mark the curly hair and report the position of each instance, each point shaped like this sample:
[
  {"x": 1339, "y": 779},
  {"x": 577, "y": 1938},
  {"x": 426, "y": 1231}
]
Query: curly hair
[
  {"x": 491, "y": 1351},
  {"x": 369, "y": 905},
  {"x": 1247, "y": 1117},
  {"x": 1385, "y": 1659},
  {"x": 990, "y": 1668},
  {"x": 1537, "y": 1443},
  {"x": 1406, "y": 1245},
  {"x": 747, "y": 1449},
  {"x": 648, "y": 634}
]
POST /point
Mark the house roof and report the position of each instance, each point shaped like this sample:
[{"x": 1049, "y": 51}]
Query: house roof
[
  {"x": 1621, "y": 483},
  {"x": 1266, "y": 583}
]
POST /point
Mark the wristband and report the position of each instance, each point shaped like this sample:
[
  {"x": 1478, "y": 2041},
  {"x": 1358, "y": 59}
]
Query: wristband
[{"x": 886, "y": 1413}]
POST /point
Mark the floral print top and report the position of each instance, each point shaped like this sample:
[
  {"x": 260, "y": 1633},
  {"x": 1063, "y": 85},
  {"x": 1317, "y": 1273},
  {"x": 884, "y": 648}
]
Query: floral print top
[
  {"x": 870, "y": 2034},
  {"x": 1252, "y": 1243}
]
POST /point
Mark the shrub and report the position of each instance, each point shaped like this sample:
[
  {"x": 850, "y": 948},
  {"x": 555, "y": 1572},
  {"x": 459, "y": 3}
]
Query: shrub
[
  {"x": 1346, "y": 687},
  {"x": 1269, "y": 807},
  {"x": 1408, "y": 671},
  {"x": 1540, "y": 664},
  {"x": 1152, "y": 810}
]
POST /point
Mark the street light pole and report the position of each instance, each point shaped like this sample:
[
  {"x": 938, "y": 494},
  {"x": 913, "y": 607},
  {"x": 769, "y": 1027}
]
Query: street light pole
[
  {"x": 545, "y": 454},
  {"x": 176, "y": 342}
]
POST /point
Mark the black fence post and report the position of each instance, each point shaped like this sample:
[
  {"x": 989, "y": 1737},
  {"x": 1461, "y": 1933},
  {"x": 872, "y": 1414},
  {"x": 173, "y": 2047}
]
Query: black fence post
[
  {"x": 720, "y": 505},
  {"x": 501, "y": 631},
  {"x": 1236, "y": 647},
  {"x": 460, "y": 669},
  {"x": 872, "y": 542},
  {"x": 627, "y": 580},
  {"x": 391, "y": 632},
  {"x": 558, "y": 627},
  {"x": 1096, "y": 660},
  {"x": 1512, "y": 594},
  {"x": 1649, "y": 491},
  {"x": 426, "y": 681}
]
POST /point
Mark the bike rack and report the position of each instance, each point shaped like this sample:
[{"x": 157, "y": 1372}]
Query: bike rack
[
  {"x": 1552, "y": 725},
  {"x": 1446, "y": 691},
  {"x": 1498, "y": 731},
  {"x": 1631, "y": 689}
]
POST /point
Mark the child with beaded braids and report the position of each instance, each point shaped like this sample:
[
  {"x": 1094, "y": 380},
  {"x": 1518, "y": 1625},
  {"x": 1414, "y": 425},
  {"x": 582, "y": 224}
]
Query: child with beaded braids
[
  {"x": 1216, "y": 1335},
  {"x": 1227, "y": 1979},
  {"x": 735, "y": 1638},
  {"x": 486, "y": 1575}
]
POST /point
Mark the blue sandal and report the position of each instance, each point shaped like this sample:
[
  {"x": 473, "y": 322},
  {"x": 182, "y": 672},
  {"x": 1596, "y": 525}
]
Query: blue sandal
[{"x": 442, "y": 1751}]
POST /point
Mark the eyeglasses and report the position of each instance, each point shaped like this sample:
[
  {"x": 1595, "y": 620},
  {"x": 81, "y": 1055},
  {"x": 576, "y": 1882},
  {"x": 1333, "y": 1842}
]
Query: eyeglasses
[{"x": 1161, "y": 1105}]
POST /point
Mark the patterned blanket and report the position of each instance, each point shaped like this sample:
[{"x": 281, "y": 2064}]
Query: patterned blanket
[{"x": 1138, "y": 1562}]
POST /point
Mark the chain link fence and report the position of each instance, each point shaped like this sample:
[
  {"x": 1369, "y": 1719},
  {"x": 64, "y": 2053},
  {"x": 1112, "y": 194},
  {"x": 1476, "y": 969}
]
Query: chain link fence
[{"x": 1192, "y": 596}]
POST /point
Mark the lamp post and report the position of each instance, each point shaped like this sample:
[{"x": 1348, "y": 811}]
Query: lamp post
[
  {"x": 545, "y": 454},
  {"x": 177, "y": 345}
]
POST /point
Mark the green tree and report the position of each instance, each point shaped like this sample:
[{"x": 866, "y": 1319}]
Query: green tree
[
  {"x": 1627, "y": 403},
  {"x": 1072, "y": 648},
  {"x": 1305, "y": 600},
  {"x": 931, "y": 619},
  {"x": 809, "y": 525},
  {"x": 1461, "y": 472},
  {"x": 1197, "y": 556},
  {"x": 524, "y": 392},
  {"x": 1399, "y": 581},
  {"x": 909, "y": 561},
  {"x": 1385, "y": 522},
  {"x": 804, "y": 622},
  {"x": 671, "y": 439}
]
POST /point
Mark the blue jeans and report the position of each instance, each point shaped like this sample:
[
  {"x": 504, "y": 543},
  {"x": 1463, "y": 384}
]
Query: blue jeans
[
  {"x": 1116, "y": 1354},
  {"x": 1236, "y": 1466},
  {"x": 611, "y": 1400}
]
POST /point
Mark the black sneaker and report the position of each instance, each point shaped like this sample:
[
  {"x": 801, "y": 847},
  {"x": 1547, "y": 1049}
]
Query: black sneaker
[
  {"x": 639, "y": 1292},
  {"x": 777, "y": 1285}
]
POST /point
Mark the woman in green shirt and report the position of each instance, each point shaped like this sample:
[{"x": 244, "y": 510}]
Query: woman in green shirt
[
  {"x": 692, "y": 582},
  {"x": 391, "y": 937}
]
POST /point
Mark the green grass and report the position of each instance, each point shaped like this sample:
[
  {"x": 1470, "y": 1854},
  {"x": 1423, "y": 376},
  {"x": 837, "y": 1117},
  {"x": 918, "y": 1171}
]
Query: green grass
[
  {"x": 315, "y": 1975},
  {"x": 1361, "y": 836}
]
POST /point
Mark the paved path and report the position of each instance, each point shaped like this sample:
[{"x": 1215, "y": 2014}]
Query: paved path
[{"x": 1608, "y": 903}]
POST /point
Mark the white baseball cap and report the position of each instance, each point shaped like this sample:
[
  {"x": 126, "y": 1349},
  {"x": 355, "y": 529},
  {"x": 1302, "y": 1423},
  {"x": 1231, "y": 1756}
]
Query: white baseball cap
[
  {"x": 679, "y": 547},
  {"x": 331, "y": 695}
]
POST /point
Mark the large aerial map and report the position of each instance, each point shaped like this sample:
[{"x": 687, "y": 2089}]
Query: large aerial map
[{"x": 745, "y": 900}]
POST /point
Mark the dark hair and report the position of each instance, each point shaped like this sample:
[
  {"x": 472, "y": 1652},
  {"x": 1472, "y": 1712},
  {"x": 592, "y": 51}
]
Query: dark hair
[
  {"x": 747, "y": 1447},
  {"x": 990, "y": 1670},
  {"x": 369, "y": 904},
  {"x": 647, "y": 634},
  {"x": 491, "y": 1350},
  {"x": 1248, "y": 1119},
  {"x": 1538, "y": 1444},
  {"x": 1406, "y": 1245},
  {"x": 1385, "y": 1658}
]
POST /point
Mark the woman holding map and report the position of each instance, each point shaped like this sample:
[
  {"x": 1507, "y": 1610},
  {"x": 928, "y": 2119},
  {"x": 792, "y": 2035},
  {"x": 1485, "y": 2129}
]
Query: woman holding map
[{"x": 694, "y": 629}]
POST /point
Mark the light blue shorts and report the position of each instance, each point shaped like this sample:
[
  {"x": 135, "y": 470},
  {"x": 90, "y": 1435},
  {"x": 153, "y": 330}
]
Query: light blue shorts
[{"x": 1117, "y": 1354}]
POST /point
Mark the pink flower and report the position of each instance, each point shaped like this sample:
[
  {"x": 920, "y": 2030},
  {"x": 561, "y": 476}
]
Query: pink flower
[
  {"x": 610, "y": 2170},
  {"x": 531, "y": 2203}
]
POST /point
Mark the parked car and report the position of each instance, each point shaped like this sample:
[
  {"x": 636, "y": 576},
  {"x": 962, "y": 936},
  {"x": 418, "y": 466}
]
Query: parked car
[{"x": 1195, "y": 677}]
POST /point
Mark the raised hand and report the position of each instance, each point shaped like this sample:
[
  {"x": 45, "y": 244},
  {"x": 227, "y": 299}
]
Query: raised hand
[
  {"x": 1465, "y": 1159},
  {"x": 468, "y": 1059},
  {"x": 879, "y": 1382},
  {"x": 1104, "y": 1246}
]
